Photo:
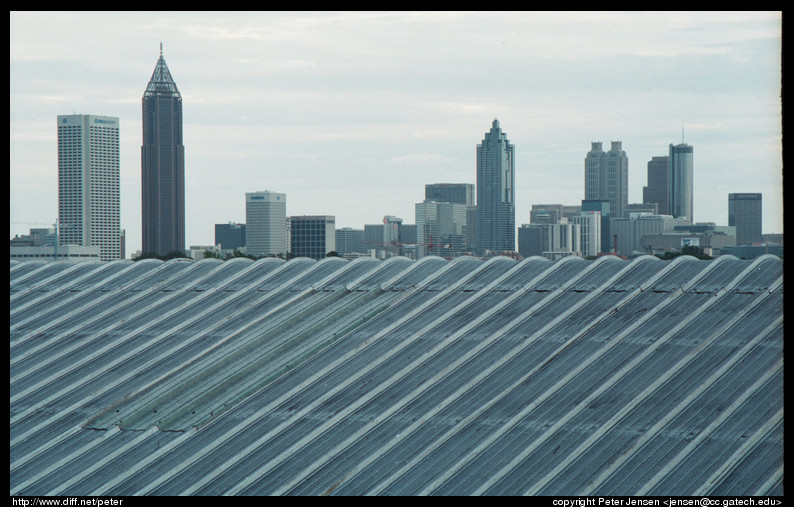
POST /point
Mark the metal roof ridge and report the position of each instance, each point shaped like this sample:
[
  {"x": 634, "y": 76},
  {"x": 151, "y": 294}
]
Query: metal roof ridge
[{"x": 313, "y": 378}]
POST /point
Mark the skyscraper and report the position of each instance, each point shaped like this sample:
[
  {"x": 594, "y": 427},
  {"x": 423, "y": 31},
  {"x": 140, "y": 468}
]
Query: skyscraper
[
  {"x": 162, "y": 164},
  {"x": 88, "y": 183},
  {"x": 744, "y": 212},
  {"x": 657, "y": 191},
  {"x": 265, "y": 223},
  {"x": 606, "y": 177},
  {"x": 496, "y": 213},
  {"x": 680, "y": 183}
]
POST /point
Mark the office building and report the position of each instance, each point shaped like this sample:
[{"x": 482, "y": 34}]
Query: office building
[
  {"x": 350, "y": 242},
  {"x": 554, "y": 241},
  {"x": 72, "y": 253},
  {"x": 657, "y": 190},
  {"x": 440, "y": 229},
  {"x": 456, "y": 193},
  {"x": 265, "y": 223},
  {"x": 531, "y": 239},
  {"x": 496, "y": 215},
  {"x": 312, "y": 236},
  {"x": 628, "y": 232},
  {"x": 552, "y": 213},
  {"x": 230, "y": 236},
  {"x": 603, "y": 208},
  {"x": 711, "y": 238},
  {"x": 744, "y": 212},
  {"x": 162, "y": 164},
  {"x": 391, "y": 229},
  {"x": 606, "y": 176},
  {"x": 88, "y": 183},
  {"x": 37, "y": 237},
  {"x": 590, "y": 232},
  {"x": 680, "y": 181}
]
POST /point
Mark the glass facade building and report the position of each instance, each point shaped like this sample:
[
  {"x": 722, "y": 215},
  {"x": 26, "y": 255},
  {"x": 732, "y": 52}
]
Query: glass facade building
[
  {"x": 162, "y": 164},
  {"x": 456, "y": 193},
  {"x": 744, "y": 212},
  {"x": 496, "y": 213},
  {"x": 312, "y": 236},
  {"x": 680, "y": 181},
  {"x": 657, "y": 190}
]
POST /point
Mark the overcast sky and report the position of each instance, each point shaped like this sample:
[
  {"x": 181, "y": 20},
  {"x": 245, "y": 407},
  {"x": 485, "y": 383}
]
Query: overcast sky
[{"x": 351, "y": 114}]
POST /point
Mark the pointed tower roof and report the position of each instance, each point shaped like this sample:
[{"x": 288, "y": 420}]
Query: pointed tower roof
[{"x": 161, "y": 82}]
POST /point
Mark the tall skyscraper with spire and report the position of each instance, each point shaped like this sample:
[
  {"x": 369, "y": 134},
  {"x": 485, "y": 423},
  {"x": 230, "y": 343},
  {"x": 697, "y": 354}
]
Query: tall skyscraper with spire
[
  {"x": 496, "y": 212},
  {"x": 162, "y": 164}
]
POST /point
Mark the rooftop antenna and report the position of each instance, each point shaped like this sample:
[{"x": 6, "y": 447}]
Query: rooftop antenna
[{"x": 161, "y": 49}]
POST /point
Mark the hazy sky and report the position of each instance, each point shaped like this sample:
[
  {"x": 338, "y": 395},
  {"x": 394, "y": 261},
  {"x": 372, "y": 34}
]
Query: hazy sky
[{"x": 352, "y": 113}]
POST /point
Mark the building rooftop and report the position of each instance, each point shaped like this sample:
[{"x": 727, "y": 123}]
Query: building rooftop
[{"x": 498, "y": 377}]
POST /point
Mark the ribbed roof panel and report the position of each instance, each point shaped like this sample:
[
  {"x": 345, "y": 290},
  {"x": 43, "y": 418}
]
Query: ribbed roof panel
[{"x": 466, "y": 376}]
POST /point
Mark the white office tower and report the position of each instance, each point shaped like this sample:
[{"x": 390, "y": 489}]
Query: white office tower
[
  {"x": 265, "y": 223},
  {"x": 88, "y": 183},
  {"x": 590, "y": 233}
]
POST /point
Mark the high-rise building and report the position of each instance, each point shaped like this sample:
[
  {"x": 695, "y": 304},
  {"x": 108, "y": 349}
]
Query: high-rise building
[
  {"x": 440, "y": 229},
  {"x": 680, "y": 181},
  {"x": 230, "y": 236},
  {"x": 312, "y": 236},
  {"x": 162, "y": 164},
  {"x": 657, "y": 190},
  {"x": 496, "y": 212},
  {"x": 603, "y": 208},
  {"x": 350, "y": 241},
  {"x": 88, "y": 183},
  {"x": 606, "y": 176},
  {"x": 744, "y": 212},
  {"x": 456, "y": 193},
  {"x": 590, "y": 233},
  {"x": 265, "y": 223}
]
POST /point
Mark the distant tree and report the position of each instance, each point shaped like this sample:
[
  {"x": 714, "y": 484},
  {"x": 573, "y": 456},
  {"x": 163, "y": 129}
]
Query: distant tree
[
  {"x": 333, "y": 253},
  {"x": 174, "y": 254},
  {"x": 209, "y": 254},
  {"x": 694, "y": 251},
  {"x": 237, "y": 253}
]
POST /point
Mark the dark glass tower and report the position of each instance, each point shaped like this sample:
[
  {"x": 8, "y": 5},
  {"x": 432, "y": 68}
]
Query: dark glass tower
[
  {"x": 496, "y": 212},
  {"x": 163, "y": 164},
  {"x": 680, "y": 181}
]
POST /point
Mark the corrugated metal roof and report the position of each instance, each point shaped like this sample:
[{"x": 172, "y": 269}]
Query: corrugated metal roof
[{"x": 462, "y": 377}]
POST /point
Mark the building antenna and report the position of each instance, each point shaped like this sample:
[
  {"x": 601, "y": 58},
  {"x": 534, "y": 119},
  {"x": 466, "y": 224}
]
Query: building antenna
[{"x": 161, "y": 49}]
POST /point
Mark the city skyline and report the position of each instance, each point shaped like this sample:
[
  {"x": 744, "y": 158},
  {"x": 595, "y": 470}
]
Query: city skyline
[{"x": 351, "y": 114}]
